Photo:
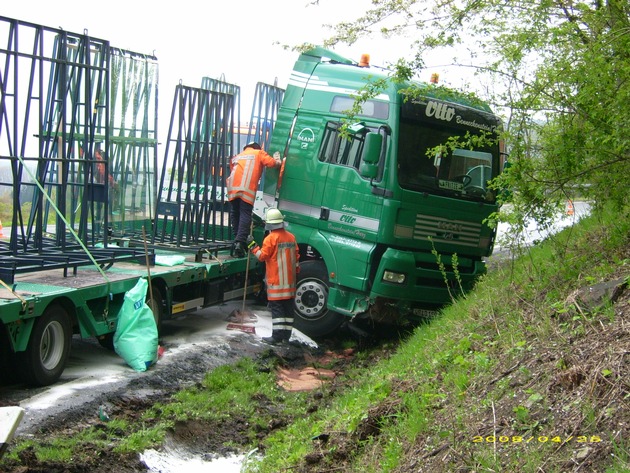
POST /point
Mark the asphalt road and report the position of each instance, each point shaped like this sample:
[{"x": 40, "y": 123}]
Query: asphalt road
[{"x": 532, "y": 234}]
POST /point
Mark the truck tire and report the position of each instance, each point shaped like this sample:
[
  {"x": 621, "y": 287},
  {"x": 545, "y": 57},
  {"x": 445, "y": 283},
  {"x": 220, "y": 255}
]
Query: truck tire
[
  {"x": 48, "y": 348},
  {"x": 312, "y": 316}
]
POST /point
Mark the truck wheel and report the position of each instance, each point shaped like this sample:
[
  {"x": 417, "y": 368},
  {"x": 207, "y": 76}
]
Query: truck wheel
[
  {"x": 312, "y": 316},
  {"x": 48, "y": 349},
  {"x": 157, "y": 306}
]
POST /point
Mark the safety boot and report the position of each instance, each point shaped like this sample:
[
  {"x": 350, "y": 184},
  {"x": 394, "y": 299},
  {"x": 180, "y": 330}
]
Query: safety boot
[{"x": 238, "y": 249}]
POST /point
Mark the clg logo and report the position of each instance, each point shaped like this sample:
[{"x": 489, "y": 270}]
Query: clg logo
[{"x": 441, "y": 111}]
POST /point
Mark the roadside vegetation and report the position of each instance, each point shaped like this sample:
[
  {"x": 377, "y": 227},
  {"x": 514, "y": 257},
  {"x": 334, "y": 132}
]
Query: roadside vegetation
[
  {"x": 6, "y": 207},
  {"x": 528, "y": 372}
]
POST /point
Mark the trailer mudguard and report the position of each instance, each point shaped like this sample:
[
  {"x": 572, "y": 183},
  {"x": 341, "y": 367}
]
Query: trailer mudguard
[{"x": 20, "y": 333}]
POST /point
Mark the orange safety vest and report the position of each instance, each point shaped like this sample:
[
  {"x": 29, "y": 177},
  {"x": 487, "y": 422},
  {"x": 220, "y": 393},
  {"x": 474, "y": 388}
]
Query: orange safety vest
[
  {"x": 281, "y": 254},
  {"x": 100, "y": 167},
  {"x": 245, "y": 171}
]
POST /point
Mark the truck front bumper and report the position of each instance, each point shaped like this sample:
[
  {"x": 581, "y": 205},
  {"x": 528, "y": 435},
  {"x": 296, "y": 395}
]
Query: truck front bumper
[{"x": 421, "y": 278}]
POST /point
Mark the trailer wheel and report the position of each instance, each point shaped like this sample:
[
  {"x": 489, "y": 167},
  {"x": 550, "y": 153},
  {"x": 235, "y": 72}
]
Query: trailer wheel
[
  {"x": 312, "y": 315},
  {"x": 48, "y": 349}
]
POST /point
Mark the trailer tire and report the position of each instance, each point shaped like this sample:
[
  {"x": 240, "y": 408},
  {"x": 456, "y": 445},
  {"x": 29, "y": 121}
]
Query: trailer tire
[
  {"x": 312, "y": 316},
  {"x": 48, "y": 348}
]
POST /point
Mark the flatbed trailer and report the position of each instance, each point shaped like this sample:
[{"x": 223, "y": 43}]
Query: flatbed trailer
[
  {"x": 42, "y": 310},
  {"x": 81, "y": 172}
]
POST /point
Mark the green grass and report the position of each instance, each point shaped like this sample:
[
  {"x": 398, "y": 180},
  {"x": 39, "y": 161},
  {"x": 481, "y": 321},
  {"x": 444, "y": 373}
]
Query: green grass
[
  {"x": 228, "y": 392},
  {"x": 6, "y": 209}
]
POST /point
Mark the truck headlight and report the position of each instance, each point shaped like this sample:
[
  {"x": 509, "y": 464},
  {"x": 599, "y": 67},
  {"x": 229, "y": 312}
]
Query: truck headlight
[{"x": 396, "y": 278}]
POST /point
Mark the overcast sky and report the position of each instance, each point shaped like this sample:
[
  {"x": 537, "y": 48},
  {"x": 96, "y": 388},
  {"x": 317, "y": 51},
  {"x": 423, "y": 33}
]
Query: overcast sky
[
  {"x": 193, "y": 39},
  {"x": 234, "y": 40}
]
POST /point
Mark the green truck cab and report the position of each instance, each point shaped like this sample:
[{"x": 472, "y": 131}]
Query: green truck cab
[{"x": 380, "y": 223}]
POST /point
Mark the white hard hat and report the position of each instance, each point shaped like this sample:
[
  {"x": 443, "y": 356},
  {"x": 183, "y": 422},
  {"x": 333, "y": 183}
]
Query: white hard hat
[
  {"x": 274, "y": 219},
  {"x": 274, "y": 216}
]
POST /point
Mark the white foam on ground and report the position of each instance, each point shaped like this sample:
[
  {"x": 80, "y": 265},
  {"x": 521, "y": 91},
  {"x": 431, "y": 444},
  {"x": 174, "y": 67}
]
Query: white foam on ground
[{"x": 175, "y": 460}]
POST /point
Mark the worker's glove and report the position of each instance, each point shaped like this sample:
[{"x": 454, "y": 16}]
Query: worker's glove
[
  {"x": 251, "y": 243},
  {"x": 276, "y": 156}
]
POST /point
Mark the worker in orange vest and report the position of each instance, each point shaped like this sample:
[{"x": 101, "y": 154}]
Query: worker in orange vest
[
  {"x": 100, "y": 156},
  {"x": 246, "y": 169},
  {"x": 281, "y": 255},
  {"x": 112, "y": 194}
]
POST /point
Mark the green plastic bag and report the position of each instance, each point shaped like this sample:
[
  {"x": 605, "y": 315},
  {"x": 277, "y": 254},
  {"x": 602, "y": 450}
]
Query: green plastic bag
[{"x": 136, "y": 336}]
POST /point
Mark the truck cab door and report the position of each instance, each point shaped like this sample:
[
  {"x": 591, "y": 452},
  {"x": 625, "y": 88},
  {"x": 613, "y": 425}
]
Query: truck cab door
[{"x": 350, "y": 213}]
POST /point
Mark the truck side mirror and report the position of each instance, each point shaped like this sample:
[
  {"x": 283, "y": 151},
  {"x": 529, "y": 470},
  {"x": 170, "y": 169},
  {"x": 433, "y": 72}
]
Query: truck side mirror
[
  {"x": 372, "y": 149},
  {"x": 371, "y": 155}
]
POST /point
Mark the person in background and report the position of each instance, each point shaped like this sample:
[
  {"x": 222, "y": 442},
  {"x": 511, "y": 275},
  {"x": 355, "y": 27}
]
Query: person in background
[
  {"x": 246, "y": 169},
  {"x": 112, "y": 195},
  {"x": 100, "y": 156},
  {"x": 281, "y": 255}
]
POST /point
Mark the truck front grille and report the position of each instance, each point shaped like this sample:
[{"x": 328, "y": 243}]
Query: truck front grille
[{"x": 442, "y": 230}]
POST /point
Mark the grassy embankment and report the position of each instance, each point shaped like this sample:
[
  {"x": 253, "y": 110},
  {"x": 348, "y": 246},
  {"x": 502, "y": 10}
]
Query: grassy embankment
[{"x": 526, "y": 373}]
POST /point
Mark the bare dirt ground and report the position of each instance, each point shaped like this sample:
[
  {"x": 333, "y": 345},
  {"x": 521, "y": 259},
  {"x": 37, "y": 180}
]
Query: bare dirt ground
[{"x": 130, "y": 401}]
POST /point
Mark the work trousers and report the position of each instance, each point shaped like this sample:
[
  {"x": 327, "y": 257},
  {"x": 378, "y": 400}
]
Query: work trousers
[
  {"x": 282, "y": 318},
  {"x": 240, "y": 218}
]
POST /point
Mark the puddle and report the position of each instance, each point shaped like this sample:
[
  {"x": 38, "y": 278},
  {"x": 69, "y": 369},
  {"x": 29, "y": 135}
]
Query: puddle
[{"x": 173, "y": 459}]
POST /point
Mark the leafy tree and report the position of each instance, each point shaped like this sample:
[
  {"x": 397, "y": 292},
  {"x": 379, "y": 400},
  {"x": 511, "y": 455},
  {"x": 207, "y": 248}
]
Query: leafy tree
[{"x": 561, "y": 73}]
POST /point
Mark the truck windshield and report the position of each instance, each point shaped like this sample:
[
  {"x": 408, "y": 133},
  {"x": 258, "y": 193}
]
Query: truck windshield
[{"x": 460, "y": 173}]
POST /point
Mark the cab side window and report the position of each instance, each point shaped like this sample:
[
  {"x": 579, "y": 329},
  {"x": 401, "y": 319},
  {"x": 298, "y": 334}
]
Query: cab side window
[{"x": 339, "y": 149}]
